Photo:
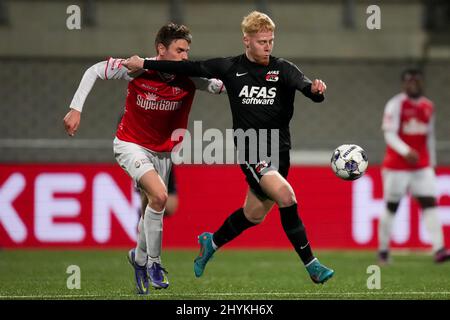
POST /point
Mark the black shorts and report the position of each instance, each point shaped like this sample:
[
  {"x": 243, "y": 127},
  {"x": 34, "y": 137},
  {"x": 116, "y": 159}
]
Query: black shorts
[
  {"x": 254, "y": 173},
  {"x": 172, "y": 185}
]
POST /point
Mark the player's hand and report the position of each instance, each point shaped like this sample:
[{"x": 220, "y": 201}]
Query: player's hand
[
  {"x": 412, "y": 156},
  {"x": 72, "y": 121},
  {"x": 133, "y": 64},
  {"x": 318, "y": 87}
]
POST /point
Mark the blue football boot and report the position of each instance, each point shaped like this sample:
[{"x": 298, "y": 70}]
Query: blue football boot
[
  {"x": 206, "y": 252},
  {"x": 318, "y": 272},
  {"x": 140, "y": 273}
]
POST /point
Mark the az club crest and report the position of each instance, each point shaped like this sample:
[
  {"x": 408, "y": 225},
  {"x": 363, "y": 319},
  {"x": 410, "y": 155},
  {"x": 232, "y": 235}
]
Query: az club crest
[{"x": 272, "y": 76}]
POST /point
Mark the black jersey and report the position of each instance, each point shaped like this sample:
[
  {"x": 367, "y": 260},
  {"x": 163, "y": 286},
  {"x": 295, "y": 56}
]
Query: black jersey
[{"x": 261, "y": 97}]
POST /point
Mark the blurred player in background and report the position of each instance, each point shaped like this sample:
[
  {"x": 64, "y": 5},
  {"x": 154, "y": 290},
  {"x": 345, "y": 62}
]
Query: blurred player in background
[
  {"x": 261, "y": 89},
  {"x": 408, "y": 126},
  {"x": 156, "y": 105}
]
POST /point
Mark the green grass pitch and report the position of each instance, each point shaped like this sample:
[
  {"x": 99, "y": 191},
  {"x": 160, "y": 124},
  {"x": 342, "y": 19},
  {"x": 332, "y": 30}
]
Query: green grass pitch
[{"x": 232, "y": 274}]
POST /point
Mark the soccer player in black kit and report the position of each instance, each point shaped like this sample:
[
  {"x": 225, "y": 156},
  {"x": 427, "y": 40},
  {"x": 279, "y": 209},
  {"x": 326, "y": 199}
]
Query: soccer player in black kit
[{"x": 261, "y": 90}]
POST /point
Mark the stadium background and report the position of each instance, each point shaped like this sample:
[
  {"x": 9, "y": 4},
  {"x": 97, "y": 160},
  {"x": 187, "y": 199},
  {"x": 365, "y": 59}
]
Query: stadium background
[{"x": 42, "y": 63}]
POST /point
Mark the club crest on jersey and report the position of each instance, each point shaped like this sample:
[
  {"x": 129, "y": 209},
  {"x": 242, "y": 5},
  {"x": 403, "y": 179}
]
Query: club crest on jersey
[
  {"x": 272, "y": 76},
  {"x": 151, "y": 96},
  {"x": 176, "y": 90},
  {"x": 260, "y": 166}
]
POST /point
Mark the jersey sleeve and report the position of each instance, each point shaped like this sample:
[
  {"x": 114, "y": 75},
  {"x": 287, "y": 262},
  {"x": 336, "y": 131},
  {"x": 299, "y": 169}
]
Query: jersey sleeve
[
  {"x": 393, "y": 140},
  {"x": 110, "y": 69},
  {"x": 212, "y": 68},
  {"x": 391, "y": 116},
  {"x": 431, "y": 142},
  {"x": 209, "y": 85},
  {"x": 391, "y": 126},
  {"x": 294, "y": 78}
]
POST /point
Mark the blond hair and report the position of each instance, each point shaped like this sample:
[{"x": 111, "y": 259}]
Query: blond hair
[{"x": 255, "y": 22}]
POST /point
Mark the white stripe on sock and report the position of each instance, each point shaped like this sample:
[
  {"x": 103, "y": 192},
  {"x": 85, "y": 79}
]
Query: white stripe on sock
[{"x": 309, "y": 263}]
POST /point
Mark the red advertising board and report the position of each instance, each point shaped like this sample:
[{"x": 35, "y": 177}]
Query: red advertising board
[{"x": 95, "y": 205}]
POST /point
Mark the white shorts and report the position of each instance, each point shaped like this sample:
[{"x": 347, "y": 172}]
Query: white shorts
[
  {"x": 137, "y": 160},
  {"x": 420, "y": 183}
]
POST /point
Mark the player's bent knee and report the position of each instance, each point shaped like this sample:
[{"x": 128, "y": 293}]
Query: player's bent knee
[
  {"x": 158, "y": 201},
  {"x": 286, "y": 199}
]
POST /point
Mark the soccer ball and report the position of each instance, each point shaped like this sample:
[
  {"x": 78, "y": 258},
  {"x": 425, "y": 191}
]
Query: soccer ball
[{"x": 349, "y": 161}]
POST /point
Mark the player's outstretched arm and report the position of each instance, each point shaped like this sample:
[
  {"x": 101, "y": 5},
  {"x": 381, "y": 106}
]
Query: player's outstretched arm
[
  {"x": 295, "y": 78},
  {"x": 212, "y": 68},
  {"x": 106, "y": 70},
  {"x": 314, "y": 90}
]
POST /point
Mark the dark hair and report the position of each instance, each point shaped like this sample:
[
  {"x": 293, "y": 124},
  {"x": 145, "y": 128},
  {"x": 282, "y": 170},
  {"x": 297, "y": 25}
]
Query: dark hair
[
  {"x": 411, "y": 72},
  {"x": 171, "y": 32}
]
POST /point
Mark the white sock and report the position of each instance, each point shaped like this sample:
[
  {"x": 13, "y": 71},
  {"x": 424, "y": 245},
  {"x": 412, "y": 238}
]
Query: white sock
[
  {"x": 434, "y": 227},
  {"x": 141, "y": 247},
  {"x": 385, "y": 229},
  {"x": 155, "y": 259},
  {"x": 153, "y": 226}
]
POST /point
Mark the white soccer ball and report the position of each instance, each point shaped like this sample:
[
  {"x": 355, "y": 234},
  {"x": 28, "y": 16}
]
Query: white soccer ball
[{"x": 349, "y": 161}]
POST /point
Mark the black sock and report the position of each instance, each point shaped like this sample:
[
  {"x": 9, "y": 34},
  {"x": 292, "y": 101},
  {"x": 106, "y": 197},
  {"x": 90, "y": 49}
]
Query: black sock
[
  {"x": 295, "y": 231},
  {"x": 232, "y": 227}
]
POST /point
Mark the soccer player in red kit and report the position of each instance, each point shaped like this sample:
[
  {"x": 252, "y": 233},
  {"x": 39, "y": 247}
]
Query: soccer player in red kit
[
  {"x": 156, "y": 104},
  {"x": 408, "y": 126}
]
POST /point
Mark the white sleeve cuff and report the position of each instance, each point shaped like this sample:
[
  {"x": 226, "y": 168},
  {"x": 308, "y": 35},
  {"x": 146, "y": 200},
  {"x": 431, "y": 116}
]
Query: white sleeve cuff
[{"x": 394, "y": 141}]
